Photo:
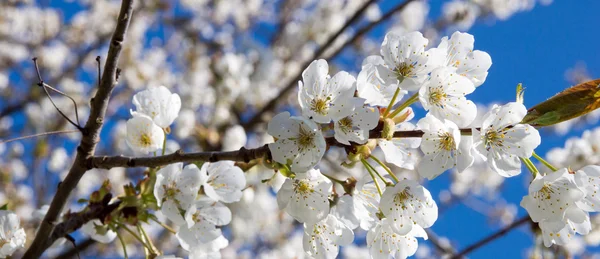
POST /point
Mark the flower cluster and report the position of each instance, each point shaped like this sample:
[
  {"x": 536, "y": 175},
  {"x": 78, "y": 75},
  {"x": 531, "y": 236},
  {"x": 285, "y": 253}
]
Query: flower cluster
[
  {"x": 156, "y": 109},
  {"x": 342, "y": 110}
]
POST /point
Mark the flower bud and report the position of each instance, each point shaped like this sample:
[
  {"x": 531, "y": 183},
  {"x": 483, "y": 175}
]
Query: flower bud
[{"x": 388, "y": 129}]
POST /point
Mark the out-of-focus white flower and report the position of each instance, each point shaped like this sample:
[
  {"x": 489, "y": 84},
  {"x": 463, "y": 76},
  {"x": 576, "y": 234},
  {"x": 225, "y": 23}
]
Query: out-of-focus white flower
[
  {"x": 98, "y": 231},
  {"x": 143, "y": 135},
  {"x": 408, "y": 204},
  {"x": 222, "y": 181},
  {"x": 209, "y": 250},
  {"x": 176, "y": 189},
  {"x": 58, "y": 160},
  {"x": 234, "y": 138},
  {"x": 461, "y": 14},
  {"x": 306, "y": 197},
  {"x": 414, "y": 15},
  {"x": 12, "y": 236},
  {"x": 185, "y": 123},
  {"x": 502, "y": 140},
  {"x": 324, "y": 98},
  {"x": 159, "y": 104},
  {"x": 299, "y": 142},
  {"x": 322, "y": 239}
]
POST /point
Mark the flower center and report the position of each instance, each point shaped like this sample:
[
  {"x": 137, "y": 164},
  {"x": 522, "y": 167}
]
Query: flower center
[
  {"x": 304, "y": 187},
  {"x": 403, "y": 70},
  {"x": 305, "y": 139},
  {"x": 546, "y": 192},
  {"x": 493, "y": 138},
  {"x": 447, "y": 141},
  {"x": 345, "y": 124},
  {"x": 401, "y": 198},
  {"x": 145, "y": 140},
  {"x": 319, "y": 105},
  {"x": 437, "y": 96}
]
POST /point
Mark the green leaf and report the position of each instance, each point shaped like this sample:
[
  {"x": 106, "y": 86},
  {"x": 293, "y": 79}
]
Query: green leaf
[
  {"x": 568, "y": 104},
  {"x": 82, "y": 201},
  {"x": 4, "y": 207}
]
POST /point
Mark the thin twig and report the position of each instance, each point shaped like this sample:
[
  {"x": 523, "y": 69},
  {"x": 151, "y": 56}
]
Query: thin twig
[
  {"x": 45, "y": 86},
  {"x": 491, "y": 237},
  {"x": 39, "y": 135}
]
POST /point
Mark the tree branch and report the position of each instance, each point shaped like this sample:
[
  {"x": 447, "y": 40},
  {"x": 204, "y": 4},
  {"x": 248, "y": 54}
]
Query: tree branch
[
  {"x": 491, "y": 237},
  {"x": 257, "y": 118},
  {"x": 91, "y": 135},
  {"x": 241, "y": 155}
]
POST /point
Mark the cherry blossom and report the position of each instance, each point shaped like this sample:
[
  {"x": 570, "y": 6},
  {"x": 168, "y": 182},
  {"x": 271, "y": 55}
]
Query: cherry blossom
[
  {"x": 202, "y": 220},
  {"x": 356, "y": 126},
  {"x": 306, "y": 197},
  {"x": 176, "y": 189},
  {"x": 443, "y": 95},
  {"x": 322, "y": 239},
  {"x": 12, "y": 236},
  {"x": 299, "y": 142},
  {"x": 384, "y": 242},
  {"x": 441, "y": 143},
  {"x": 143, "y": 136},
  {"x": 222, "y": 181},
  {"x": 159, "y": 104},
  {"x": 322, "y": 98},
  {"x": 408, "y": 204},
  {"x": 502, "y": 140}
]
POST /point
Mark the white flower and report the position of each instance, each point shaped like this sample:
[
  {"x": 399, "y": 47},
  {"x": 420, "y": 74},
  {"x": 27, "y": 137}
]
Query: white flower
[
  {"x": 209, "y": 250},
  {"x": 408, "y": 204},
  {"x": 384, "y": 242},
  {"x": 561, "y": 232},
  {"x": 458, "y": 53},
  {"x": 550, "y": 196},
  {"x": 322, "y": 239},
  {"x": 12, "y": 236},
  {"x": 176, "y": 189},
  {"x": 306, "y": 197},
  {"x": 371, "y": 86},
  {"x": 401, "y": 151},
  {"x": 222, "y": 181},
  {"x": 443, "y": 95},
  {"x": 588, "y": 179},
  {"x": 441, "y": 144},
  {"x": 299, "y": 142},
  {"x": 202, "y": 220},
  {"x": 322, "y": 98},
  {"x": 143, "y": 136},
  {"x": 359, "y": 208},
  {"x": 405, "y": 60},
  {"x": 501, "y": 140},
  {"x": 98, "y": 231},
  {"x": 159, "y": 104},
  {"x": 356, "y": 126}
]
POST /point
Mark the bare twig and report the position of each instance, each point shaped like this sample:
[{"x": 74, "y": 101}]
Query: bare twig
[
  {"x": 45, "y": 86},
  {"x": 491, "y": 237},
  {"x": 39, "y": 135},
  {"x": 91, "y": 135},
  {"x": 257, "y": 118},
  {"x": 75, "y": 251}
]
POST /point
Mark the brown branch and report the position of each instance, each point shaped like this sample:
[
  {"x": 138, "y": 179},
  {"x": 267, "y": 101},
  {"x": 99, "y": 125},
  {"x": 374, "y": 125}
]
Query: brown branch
[
  {"x": 434, "y": 239},
  {"x": 75, "y": 251},
  {"x": 241, "y": 155},
  {"x": 91, "y": 135},
  {"x": 257, "y": 118},
  {"x": 491, "y": 237}
]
